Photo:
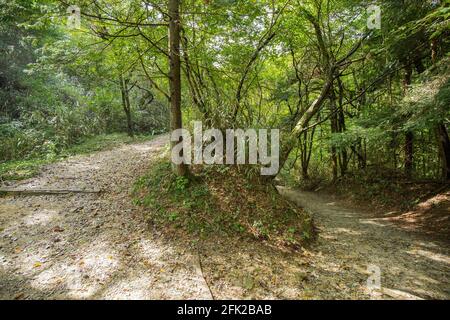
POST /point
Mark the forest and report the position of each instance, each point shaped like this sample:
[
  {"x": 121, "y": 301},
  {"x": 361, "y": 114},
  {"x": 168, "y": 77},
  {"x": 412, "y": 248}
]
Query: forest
[{"x": 92, "y": 90}]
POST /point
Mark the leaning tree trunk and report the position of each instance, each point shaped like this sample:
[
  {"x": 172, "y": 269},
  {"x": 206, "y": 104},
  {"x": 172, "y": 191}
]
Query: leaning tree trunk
[{"x": 175, "y": 76}]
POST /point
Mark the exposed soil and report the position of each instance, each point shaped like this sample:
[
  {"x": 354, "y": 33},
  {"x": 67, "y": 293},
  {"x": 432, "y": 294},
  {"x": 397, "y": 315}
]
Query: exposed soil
[
  {"x": 422, "y": 206},
  {"x": 412, "y": 264},
  {"x": 98, "y": 246},
  {"x": 430, "y": 216}
]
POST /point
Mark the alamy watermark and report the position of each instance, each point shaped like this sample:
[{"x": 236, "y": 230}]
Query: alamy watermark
[
  {"x": 241, "y": 147},
  {"x": 374, "y": 17},
  {"x": 74, "y": 18},
  {"x": 374, "y": 280}
]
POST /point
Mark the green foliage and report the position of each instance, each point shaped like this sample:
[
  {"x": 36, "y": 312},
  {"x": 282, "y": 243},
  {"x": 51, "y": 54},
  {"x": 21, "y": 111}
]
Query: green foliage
[
  {"x": 427, "y": 103},
  {"x": 214, "y": 203},
  {"x": 245, "y": 64},
  {"x": 54, "y": 93}
]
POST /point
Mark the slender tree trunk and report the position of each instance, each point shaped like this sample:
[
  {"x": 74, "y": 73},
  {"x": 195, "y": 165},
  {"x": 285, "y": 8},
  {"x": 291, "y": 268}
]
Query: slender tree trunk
[
  {"x": 409, "y": 153},
  {"x": 175, "y": 76},
  {"x": 441, "y": 130},
  {"x": 306, "y": 146},
  {"x": 444, "y": 147},
  {"x": 128, "y": 111},
  {"x": 342, "y": 128},
  {"x": 358, "y": 151},
  {"x": 434, "y": 50},
  {"x": 334, "y": 129},
  {"x": 126, "y": 104},
  {"x": 409, "y": 135},
  {"x": 334, "y": 157},
  {"x": 305, "y": 175}
]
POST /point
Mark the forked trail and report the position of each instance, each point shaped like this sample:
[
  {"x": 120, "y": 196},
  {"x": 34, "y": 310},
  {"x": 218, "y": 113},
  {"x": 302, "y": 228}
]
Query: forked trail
[{"x": 98, "y": 246}]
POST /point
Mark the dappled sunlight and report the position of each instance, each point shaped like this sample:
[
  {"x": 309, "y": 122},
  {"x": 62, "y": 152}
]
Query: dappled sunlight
[
  {"x": 331, "y": 267},
  {"x": 182, "y": 284},
  {"x": 434, "y": 201},
  {"x": 102, "y": 249},
  {"x": 129, "y": 288},
  {"x": 363, "y": 239},
  {"x": 79, "y": 167},
  {"x": 99, "y": 260},
  {"x": 8, "y": 209},
  {"x": 81, "y": 274},
  {"x": 422, "y": 279},
  {"x": 143, "y": 147},
  {"x": 347, "y": 231},
  {"x": 28, "y": 262},
  {"x": 142, "y": 142},
  {"x": 41, "y": 217},
  {"x": 342, "y": 214},
  {"x": 399, "y": 294},
  {"x": 372, "y": 222},
  {"x": 430, "y": 255},
  {"x": 152, "y": 251},
  {"x": 391, "y": 213},
  {"x": 68, "y": 277},
  {"x": 428, "y": 244}
]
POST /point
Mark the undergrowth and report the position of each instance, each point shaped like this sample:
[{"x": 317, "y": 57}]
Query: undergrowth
[
  {"x": 220, "y": 201},
  {"x": 384, "y": 189}
]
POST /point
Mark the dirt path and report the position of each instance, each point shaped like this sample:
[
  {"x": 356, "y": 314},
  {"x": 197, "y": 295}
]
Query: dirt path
[
  {"x": 91, "y": 245},
  {"x": 411, "y": 264},
  {"x": 97, "y": 246}
]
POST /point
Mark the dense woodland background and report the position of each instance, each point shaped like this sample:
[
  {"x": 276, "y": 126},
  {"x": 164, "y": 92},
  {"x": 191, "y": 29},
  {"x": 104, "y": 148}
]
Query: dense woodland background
[
  {"x": 363, "y": 189},
  {"x": 351, "y": 102}
]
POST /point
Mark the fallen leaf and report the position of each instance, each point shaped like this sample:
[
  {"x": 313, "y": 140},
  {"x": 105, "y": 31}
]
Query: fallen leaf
[{"x": 19, "y": 296}]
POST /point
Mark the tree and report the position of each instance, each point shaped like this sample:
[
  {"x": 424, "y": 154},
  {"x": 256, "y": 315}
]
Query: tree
[{"x": 175, "y": 76}]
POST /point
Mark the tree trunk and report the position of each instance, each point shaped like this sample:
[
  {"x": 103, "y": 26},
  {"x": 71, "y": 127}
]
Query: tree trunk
[
  {"x": 343, "y": 159},
  {"x": 444, "y": 147},
  {"x": 128, "y": 111},
  {"x": 409, "y": 136},
  {"x": 409, "y": 153},
  {"x": 434, "y": 50},
  {"x": 175, "y": 77},
  {"x": 334, "y": 129},
  {"x": 306, "y": 145},
  {"x": 126, "y": 104},
  {"x": 359, "y": 152},
  {"x": 302, "y": 124}
]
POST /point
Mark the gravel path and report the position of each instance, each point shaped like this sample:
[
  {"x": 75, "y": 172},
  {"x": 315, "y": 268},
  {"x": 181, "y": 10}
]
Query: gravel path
[
  {"x": 93, "y": 246},
  {"x": 411, "y": 265},
  {"x": 98, "y": 246}
]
